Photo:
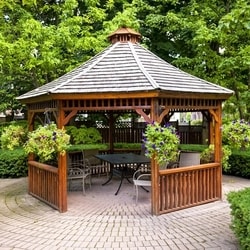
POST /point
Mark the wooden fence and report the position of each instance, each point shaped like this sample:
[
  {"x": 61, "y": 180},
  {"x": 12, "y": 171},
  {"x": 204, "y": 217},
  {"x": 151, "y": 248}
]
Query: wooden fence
[
  {"x": 43, "y": 183},
  {"x": 189, "y": 186},
  {"x": 132, "y": 133}
]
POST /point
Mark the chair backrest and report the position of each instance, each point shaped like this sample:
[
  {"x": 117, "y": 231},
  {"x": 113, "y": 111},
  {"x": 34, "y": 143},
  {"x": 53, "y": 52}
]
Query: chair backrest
[
  {"x": 189, "y": 159},
  {"x": 143, "y": 173},
  {"x": 74, "y": 172}
]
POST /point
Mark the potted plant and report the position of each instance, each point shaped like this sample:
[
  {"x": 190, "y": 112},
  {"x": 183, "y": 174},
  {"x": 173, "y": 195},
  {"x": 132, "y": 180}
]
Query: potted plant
[
  {"x": 161, "y": 143},
  {"x": 46, "y": 142}
]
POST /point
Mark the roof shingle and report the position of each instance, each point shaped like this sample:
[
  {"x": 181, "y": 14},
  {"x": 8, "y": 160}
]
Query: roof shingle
[{"x": 126, "y": 67}]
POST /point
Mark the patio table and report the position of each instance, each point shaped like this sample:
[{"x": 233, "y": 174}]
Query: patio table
[{"x": 122, "y": 164}]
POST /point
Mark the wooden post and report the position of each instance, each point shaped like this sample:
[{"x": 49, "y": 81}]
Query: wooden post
[
  {"x": 62, "y": 168},
  {"x": 217, "y": 121},
  {"x": 218, "y": 147},
  {"x": 111, "y": 132},
  {"x": 31, "y": 156},
  {"x": 154, "y": 166}
]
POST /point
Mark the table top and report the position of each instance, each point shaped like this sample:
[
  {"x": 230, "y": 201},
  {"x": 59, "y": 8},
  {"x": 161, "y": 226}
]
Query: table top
[{"x": 129, "y": 158}]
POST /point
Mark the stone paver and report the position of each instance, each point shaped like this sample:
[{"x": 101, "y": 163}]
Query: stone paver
[{"x": 101, "y": 220}]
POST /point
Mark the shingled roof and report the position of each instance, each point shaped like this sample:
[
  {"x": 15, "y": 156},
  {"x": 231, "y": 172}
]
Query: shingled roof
[{"x": 126, "y": 66}]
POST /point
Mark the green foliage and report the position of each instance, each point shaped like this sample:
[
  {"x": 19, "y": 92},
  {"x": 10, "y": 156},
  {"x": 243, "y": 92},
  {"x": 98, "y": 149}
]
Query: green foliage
[
  {"x": 236, "y": 134},
  {"x": 196, "y": 122},
  {"x": 239, "y": 164},
  {"x": 209, "y": 39},
  {"x": 13, "y": 163},
  {"x": 161, "y": 143},
  {"x": 240, "y": 211},
  {"x": 192, "y": 147},
  {"x": 46, "y": 141},
  {"x": 13, "y": 136},
  {"x": 207, "y": 155},
  {"x": 84, "y": 135},
  {"x": 4, "y": 125},
  {"x": 121, "y": 145},
  {"x": 81, "y": 147}
]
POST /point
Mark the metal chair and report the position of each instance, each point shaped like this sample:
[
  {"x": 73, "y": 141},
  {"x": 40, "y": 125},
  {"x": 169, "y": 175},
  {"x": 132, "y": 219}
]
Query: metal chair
[
  {"x": 79, "y": 171},
  {"x": 141, "y": 178},
  {"x": 186, "y": 158}
]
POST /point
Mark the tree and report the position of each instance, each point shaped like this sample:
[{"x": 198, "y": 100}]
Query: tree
[
  {"x": 41, "y": 40},
  {"x": 48, "y": 39},
  {"x": 209, "y": 39}
]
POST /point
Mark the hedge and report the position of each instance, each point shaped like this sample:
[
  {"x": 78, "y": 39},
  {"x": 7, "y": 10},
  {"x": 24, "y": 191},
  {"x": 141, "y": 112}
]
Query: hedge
[
  {"x": 13, "y": 163},
  {"x": 240, "y": 211},
  {"x": 239, "y": 164}
]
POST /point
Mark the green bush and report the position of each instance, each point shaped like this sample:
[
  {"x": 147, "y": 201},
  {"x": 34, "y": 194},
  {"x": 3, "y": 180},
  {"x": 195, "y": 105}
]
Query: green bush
[
  {"x": 239, "y": 164},
  {"x": 22, "y": 123},
  {"x": 80, "y": 147},
  {"x": 13, "y": 136},
  {"x": 240, "y": 211},
  {"x": 13, "y": 163},
  {"x": 192, "y": 147},
  {"x": 236, "y": 134},
  {"x": 84, "y": 135},
  {"x": 121, "y": 145}
]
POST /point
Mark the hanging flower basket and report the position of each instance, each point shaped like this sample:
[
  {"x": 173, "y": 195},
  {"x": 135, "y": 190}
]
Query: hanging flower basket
[
  {"x": 161, "y": 143},
  {"x": 46, "y": 142}
]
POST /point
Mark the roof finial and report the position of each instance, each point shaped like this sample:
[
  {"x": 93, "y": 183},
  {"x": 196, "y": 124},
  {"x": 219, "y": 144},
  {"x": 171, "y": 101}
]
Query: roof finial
[{"x": 125, "y": 35}]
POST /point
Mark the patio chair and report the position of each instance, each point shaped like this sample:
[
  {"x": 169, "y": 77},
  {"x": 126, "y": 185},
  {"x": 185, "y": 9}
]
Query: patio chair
[
  {"x": 141, "y": 178},
  {"x": 97, "y": 167},
  {"x": 79, "y": 171},
  {"x": 185, "y": 159}
]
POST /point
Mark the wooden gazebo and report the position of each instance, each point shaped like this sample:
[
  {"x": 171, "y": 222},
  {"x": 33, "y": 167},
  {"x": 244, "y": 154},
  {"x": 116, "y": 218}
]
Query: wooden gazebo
[{"x": 127, "y": 77}]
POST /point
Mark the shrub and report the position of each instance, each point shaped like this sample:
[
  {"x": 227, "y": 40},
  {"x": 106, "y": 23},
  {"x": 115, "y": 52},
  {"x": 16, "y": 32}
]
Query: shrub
[
  {"x": 240, "y": 211},
  {"x": 236, "y": 135},
  {"x": 13, "y": 136},
  {"x": 81, "y": 147},
  {"x": 13, "y": 163},
  {"x": 239, "y": 164},
  {"x": 192, "y": 147},
  {"x": 207, "y": 155},
  {"x": 84, "y": 135}
]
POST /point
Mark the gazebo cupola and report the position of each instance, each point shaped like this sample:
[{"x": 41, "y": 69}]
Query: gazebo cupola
[{"x": 124, "y": 35}]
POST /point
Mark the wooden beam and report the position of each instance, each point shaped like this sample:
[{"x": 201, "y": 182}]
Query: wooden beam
[
  {"x": 213, "y": 113},
  {"x": 69, "y": 116},
  {"x": 163, "y": 114},
  {"x": 144, "y": 115}
]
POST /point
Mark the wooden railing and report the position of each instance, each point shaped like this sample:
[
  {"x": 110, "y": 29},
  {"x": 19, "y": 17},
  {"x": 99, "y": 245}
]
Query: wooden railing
[
  {"x": 43, "y": 183},
  {"x": 189, "y": 186}
]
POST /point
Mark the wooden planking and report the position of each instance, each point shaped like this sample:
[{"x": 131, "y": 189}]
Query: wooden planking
[
  {"x": 43, "y": 183},
  {"x": 188, "y": 186}
]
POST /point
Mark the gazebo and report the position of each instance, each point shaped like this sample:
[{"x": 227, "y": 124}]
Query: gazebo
[{"x": 127, "y": 77}]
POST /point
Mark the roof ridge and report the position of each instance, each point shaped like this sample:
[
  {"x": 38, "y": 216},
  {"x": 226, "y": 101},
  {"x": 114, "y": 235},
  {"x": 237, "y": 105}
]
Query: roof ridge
[
  {"x": 86, "y": 69},
  {"x": 143, "y": 70}
]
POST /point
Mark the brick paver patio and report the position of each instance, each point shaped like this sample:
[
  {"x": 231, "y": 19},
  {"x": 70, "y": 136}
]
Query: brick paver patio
[{"x": 101, "y": 220}]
